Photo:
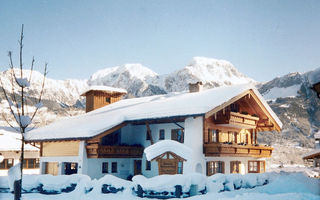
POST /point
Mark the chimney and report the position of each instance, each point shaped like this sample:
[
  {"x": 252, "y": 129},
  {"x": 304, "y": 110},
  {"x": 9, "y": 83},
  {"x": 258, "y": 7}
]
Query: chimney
[
  {"x": 100, "y": 96},
  {"x": 195, "y": 87}
]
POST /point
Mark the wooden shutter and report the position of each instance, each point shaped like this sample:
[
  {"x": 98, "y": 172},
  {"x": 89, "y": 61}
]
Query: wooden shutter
[
  {"x": 206, "y": 136},
  {"x": 222, "y": 167},
  {"x": 218, "y": 132}
]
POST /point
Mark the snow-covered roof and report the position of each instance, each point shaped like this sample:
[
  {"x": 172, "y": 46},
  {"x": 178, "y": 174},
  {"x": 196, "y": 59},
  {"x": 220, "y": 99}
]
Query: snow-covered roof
[
  {"x": 312, "y": 154},
  {"x": 163, "y": 146},
  {"x": 103, "y": 88},
  {"x": 11, "y": 141},
  {"x": 152, "y": 107}
]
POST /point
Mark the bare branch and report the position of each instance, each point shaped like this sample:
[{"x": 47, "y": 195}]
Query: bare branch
[
  {"x": 13, "y": 96},
  {"x": 5, "y": 119},
  {"x": 31, "y": 69},
  {"x": 42, "y": 89},
  {"x": 7, "y": 98},
  {"x": 21, "y": 46}
]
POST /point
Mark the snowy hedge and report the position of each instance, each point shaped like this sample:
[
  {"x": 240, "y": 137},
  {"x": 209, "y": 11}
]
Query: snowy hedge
[
  {"x": 163, "y": 186},
  {"x": 167, "y": 185},
  {"x": 230, "y": 182}
]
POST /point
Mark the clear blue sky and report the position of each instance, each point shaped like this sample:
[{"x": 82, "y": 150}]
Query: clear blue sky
[{"x": 263, "y": 39}]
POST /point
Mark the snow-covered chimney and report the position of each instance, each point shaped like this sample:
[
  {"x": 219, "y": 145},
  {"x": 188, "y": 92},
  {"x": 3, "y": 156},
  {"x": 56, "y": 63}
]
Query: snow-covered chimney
[{"x": 195, "y": 87}]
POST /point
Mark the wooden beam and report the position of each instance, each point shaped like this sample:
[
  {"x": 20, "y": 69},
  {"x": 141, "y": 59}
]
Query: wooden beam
[
  {"x": 232, "y": 100},
  {"x": 277, "y": 127},
  {"x": 149, "y": 132},
  {"x": 107, "y": 132}
]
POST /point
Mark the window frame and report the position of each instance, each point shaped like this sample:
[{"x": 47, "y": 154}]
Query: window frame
[
  {"x": 174, "y": 135},
  {"x": 214, "y": 167},
  {"x": 5, "y": 163},
  {"x": 232, "y": 166},
  {"x": 35, "y": 163},
  {"x": 259, "y": 164},
  {"x": 114, "y": 167},
  {"x": 180, "y": 167},
  {"x": 162, "y": 135},
  {"x": 148, "y": 165},
  {"x": 105, "y": 168}
]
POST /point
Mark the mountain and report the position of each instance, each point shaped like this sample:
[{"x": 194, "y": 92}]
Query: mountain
[
  {"x": 141, "y": 81},
  {"x": 211, "y": 72},
  {"x": 135, "y": 78},
  {"x": 296, "y": 104},
  {"x": 298, "y": 107}
]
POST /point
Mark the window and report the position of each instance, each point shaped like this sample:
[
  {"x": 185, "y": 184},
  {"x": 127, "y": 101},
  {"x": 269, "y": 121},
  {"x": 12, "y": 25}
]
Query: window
[
  {"x": 108, "y": 100},
  {"x": 177, "y": 135},
  {"x": 180, "y": 167},
  {"x": 114, "y": 167},
  {"x": 232, "y": 137},
  {"x": 148, "y": 165},
  {"x": 214, "y": 167},
  {"x": 31, "y": 163},
  {"x": 256, "y": 166},
  {"x": 161, "y": 134},
  {"x": 235, "y": 166},
  {"x": 213, "y": 135},
  {"x": 6, "y": 163},
  {"x": 105, "y": 167}
]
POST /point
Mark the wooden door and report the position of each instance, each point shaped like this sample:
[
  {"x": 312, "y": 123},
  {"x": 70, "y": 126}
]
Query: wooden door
[
  {"x": 137, "y": 167},
  {"x": 52, "y": 168}
]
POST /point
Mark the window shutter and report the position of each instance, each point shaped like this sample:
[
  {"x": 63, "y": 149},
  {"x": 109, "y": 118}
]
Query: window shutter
[
  {"x": 206, "y": 136},
  {"x": 222, "y": 167},
  {"x": 208, "y": 169},
  {"x": 218, "y": 132}
]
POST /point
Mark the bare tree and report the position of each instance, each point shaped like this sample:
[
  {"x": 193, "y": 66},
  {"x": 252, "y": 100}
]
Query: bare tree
[{"x": 18, "y": 103}]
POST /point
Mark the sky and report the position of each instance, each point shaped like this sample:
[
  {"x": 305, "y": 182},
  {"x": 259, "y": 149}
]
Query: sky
[{"x": 262, "y": 39}]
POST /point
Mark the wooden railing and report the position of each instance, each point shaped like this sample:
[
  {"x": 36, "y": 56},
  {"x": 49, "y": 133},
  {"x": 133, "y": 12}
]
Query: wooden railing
[
  {"x": 220, "y": 149},
  {"x": 100, "y": 151},
  {"x": 243, "y": 119},
  {"x": 236, "y": 119}
]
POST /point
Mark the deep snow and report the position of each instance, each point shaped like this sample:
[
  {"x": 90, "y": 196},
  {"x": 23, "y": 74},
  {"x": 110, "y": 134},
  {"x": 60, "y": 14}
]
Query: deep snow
[{"x": 281, "y": 186}]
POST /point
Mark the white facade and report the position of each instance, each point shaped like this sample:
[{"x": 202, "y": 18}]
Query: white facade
[{"x": 137, "y": 134}]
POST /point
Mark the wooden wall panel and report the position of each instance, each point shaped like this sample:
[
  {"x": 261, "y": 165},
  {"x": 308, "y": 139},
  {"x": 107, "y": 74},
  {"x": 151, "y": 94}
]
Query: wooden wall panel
[{"x": 65, "y": 148}]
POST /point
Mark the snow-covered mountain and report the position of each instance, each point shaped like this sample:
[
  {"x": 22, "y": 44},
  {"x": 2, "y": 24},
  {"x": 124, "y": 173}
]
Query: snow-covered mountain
[
  {"x": 212, "y": 73},
  {"x": 298, "y": 108},
  {"x": 135, "y": 78},
  {"x": 141, "y": 81}
]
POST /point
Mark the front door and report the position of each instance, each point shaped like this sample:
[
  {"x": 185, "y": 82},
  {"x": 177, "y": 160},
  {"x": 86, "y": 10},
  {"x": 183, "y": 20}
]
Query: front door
[
  {"x": 137, "y": 167},
  {"x": 52, "y": 168}
]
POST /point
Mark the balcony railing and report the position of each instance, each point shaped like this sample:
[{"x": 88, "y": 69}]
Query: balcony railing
[
  {"x": 237, "y": 119},
  {"x": 220, "y": 149},
  {"x": 100, "y": 151}
]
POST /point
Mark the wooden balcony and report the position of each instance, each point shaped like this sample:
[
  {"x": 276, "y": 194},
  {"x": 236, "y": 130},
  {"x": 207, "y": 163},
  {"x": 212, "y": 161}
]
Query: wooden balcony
[
  {"x": 100, "y": 151},
  {"x": 235, "y": 119},
  {"x": 236, "y": 150}
]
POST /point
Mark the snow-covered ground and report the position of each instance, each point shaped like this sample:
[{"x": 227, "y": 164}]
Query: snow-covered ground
[{"x": 280, "y": 186}]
